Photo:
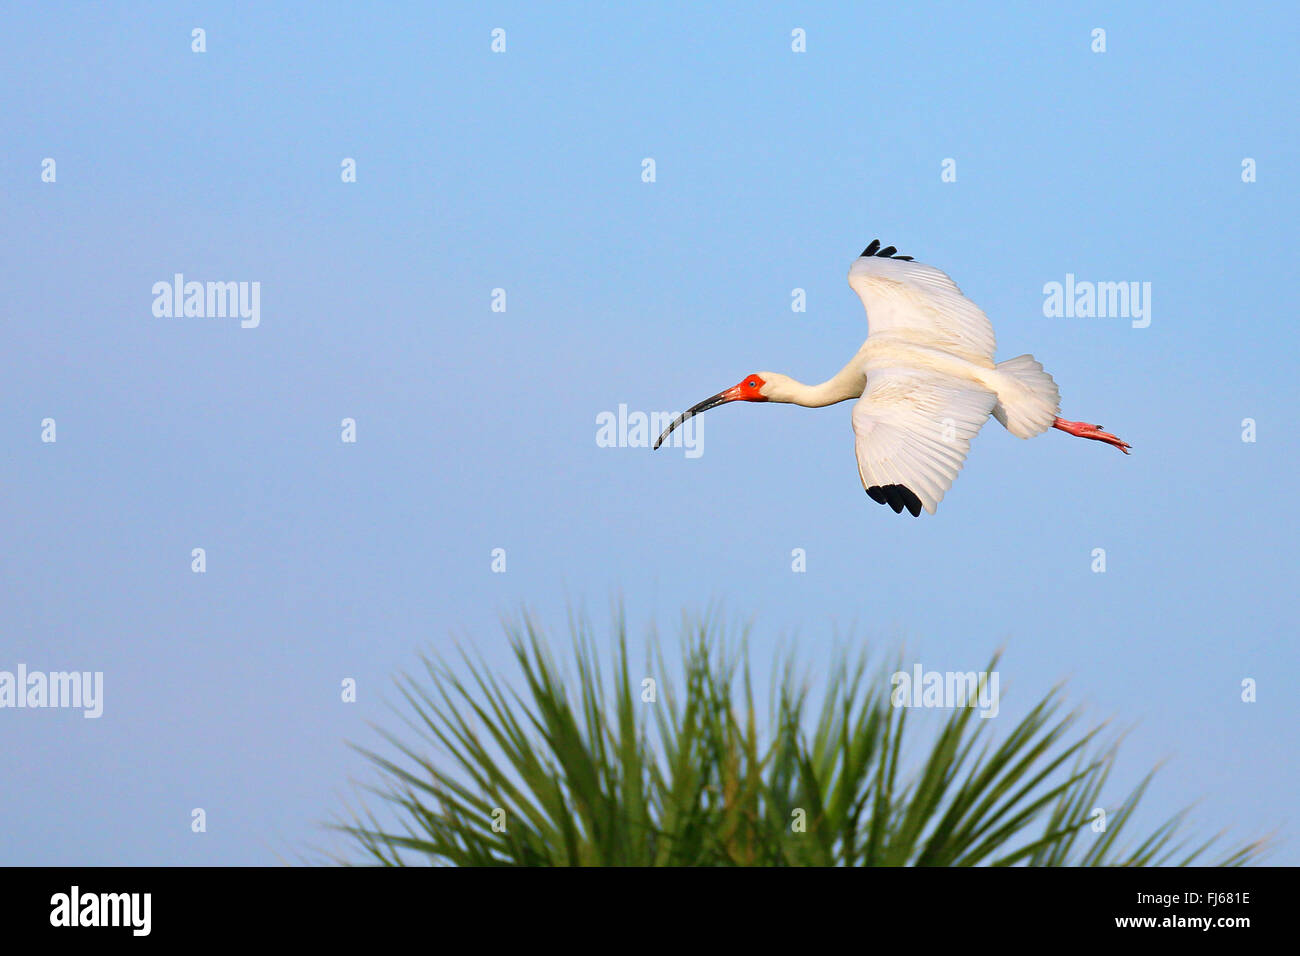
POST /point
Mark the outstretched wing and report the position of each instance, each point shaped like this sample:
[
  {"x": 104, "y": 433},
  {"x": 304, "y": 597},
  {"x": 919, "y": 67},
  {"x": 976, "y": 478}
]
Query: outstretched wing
[
  {"x": 913, "y": 431},
  {"x": 919, "y": 304}
]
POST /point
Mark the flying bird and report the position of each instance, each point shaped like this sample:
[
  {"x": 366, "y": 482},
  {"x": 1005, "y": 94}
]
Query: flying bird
[{"x": 925, "y": 381}]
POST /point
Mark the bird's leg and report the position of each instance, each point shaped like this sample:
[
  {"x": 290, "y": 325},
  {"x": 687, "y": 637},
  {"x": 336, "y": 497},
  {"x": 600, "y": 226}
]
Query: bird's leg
[{"x": 1084, "y": 430}]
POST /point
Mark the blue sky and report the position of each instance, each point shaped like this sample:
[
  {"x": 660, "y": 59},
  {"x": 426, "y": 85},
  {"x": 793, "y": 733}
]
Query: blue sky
[{"x": 476, "y": 429}]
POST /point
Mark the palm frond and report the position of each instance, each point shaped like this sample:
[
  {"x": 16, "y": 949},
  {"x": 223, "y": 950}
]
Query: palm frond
[{"x": 585, "y": 771}]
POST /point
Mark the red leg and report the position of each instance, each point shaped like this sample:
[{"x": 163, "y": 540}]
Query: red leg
[{"x": 1084, "y": 430}]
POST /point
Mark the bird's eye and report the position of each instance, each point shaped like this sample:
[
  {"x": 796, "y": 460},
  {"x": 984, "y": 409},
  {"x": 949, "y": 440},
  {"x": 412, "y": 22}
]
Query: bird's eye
[{"x": 751, "y": 384}]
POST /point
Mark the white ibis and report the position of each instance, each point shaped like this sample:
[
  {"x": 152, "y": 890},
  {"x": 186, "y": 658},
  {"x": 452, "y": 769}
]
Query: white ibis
[{"x": 925, "y": 381}]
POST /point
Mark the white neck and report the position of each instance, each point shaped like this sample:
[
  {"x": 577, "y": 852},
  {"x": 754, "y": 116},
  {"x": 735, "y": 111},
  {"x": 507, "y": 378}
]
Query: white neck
[{"x": 847, "y": 383}]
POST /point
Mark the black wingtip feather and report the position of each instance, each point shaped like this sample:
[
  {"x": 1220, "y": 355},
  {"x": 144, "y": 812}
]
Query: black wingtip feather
[
  {"x": 897, "y": 497},
  {"x": 912, "y": 502},
  {"x": 889, "y": 252}
]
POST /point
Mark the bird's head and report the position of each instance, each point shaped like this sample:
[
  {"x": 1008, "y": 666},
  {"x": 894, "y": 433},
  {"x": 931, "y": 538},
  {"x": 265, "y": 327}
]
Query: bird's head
[{"x": 756, "y": 387}]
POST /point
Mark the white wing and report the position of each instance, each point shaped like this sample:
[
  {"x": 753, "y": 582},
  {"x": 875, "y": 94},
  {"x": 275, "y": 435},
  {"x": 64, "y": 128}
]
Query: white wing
[
  {"x": 913, "y": 431},
  {"x": 919, "y": 304}
]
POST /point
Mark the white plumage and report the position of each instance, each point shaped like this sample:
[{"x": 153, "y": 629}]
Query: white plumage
[
  {"x": 925, "y": 380},
  {"x": 931, "y": 381},
  {"x": 913, "y": 429},
  {"x": 919, "y": 304}
]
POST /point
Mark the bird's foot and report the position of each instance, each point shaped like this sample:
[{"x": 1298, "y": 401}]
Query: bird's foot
[{"x": 1084, "y": 430}]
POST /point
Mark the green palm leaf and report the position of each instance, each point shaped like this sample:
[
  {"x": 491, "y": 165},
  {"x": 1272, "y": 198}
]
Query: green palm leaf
[{"x": 553, "y": 772}]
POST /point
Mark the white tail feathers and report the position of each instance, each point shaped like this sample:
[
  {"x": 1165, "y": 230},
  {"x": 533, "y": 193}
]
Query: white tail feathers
[{"x": 1028, "y": 398}]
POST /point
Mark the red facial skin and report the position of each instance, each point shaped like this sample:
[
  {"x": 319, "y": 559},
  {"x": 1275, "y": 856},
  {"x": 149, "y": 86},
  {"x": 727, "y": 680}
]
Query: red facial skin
[{"x": 749, "y": 390}]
